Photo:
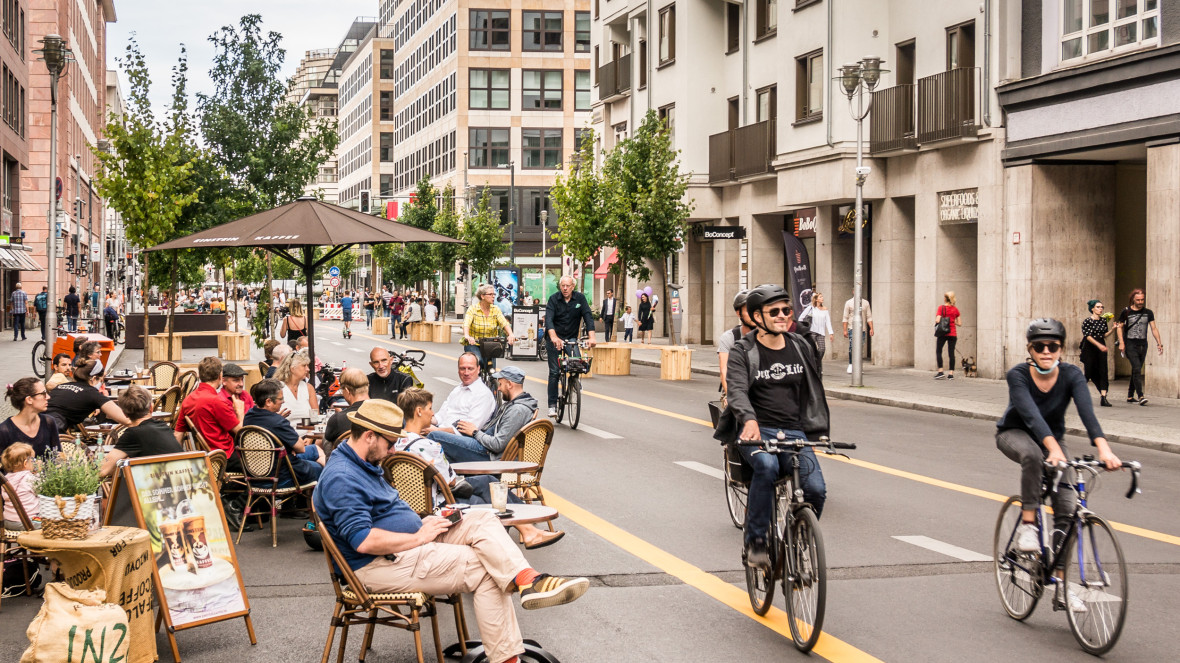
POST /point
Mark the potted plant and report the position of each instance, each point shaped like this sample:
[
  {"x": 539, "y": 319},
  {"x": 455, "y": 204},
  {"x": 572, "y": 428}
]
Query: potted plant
[{"x": 67, "y": 491}]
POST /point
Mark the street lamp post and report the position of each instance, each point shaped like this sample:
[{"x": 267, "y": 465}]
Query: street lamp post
[
  {"x": 856, "y": 79},
  {"x": 56, "y": 54},
  {"x": 544, "y": 256},
  {"x": 511, "y": 165}
]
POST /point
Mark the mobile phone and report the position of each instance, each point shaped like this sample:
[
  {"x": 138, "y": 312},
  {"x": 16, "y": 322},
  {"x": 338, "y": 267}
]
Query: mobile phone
[{"x": 452, "y": 514}]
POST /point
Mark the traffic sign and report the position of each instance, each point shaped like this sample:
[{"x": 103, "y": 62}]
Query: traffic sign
[
  {"x": 333, "y": 271},
  {"x": 334, "y": 281}
]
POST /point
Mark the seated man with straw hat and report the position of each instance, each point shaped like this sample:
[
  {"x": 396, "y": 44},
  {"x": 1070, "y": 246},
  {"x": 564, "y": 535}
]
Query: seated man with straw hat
[{"x": 392, "y": 549}]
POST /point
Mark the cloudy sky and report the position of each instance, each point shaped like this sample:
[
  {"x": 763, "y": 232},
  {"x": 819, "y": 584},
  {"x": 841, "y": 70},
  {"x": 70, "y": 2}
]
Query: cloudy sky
[{"x": 161, "y": 27}]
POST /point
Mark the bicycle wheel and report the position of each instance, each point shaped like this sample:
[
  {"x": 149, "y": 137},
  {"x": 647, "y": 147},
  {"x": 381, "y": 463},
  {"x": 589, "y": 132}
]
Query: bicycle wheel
[
  {"x": 39, "y": 359},
  {"x": 562, "y": 385},
  {"x": 1098, "y": 576},
  {"x": 735, "y": 492},
  {"x": 1018, "y": 574},
  {"x": 120, "y": 333},
  {"x": 760, "y": 582},
  {"x": 573, "y": 401},
  {"x": 805, "y": 587}
]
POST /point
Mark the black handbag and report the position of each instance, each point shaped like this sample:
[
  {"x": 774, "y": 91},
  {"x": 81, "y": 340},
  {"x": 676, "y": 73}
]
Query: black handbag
[{"x": 943, "y": 326}]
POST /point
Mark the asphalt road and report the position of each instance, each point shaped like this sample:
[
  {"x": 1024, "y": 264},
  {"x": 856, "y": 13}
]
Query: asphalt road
[{"x": 646, "y": 519}]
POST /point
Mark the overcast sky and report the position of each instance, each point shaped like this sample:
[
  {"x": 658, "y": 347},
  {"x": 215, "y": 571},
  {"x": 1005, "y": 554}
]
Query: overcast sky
[{"x": 161, "y": 27}]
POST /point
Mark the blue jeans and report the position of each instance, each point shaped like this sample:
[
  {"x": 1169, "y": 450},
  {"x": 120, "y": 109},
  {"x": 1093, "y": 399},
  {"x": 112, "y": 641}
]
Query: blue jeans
[
  {"x": 368, "y": 317},
  {"x": 555, "y": 366},
  {"x": 306, "y": 465},
  {"x": 769, "y": 468},
  {"x": 864, "y": 339},
  {"x": 72, "y": 323},
  {"x": 460, "y": 448}
]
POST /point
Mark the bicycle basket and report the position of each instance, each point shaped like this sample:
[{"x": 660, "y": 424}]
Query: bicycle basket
[
  {"x": 491, "y": 348},
  {"x": 715, "y": 408},
  {"x": 580, "y": 365}
]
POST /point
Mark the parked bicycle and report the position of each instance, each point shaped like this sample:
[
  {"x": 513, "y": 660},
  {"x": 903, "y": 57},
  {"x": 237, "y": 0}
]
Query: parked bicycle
[
  {"x": 1088, "y": 554},
  {"x": 572, "y": 366},
  {"x": 796, "y": 547},
  {"x": 41, "y": 353},
  {"x": 407, "y": 361}
]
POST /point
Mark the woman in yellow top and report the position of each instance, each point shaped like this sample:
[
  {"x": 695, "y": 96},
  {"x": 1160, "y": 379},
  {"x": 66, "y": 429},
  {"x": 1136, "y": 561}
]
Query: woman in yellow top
[{"x": 484, "y": 320}]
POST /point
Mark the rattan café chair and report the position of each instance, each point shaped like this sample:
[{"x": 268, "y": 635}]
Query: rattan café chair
[
  {"x": 262, "y": 455},
  {"x": 164, "y": 374},
  {"x": 355, "y": 605},
  {"x": 10, "y": 551}
]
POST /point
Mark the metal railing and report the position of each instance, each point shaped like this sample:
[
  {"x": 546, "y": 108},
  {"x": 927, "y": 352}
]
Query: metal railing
[
  {"x": 614, "y": 78},
  {"x": 742, "y": 152},
  {"x": 948, "y": 105},
  {"x": 892, "y": 121}
]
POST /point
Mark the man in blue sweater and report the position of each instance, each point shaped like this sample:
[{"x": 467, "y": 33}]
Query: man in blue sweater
[{"x": 392, "y": 549}]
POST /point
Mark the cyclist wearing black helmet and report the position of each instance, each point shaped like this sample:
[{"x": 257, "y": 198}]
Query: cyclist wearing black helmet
[
  {"x": 774, "y": 385},
  {"x": 1032, "y": 428},
  {"x": 731, "y": 336}
]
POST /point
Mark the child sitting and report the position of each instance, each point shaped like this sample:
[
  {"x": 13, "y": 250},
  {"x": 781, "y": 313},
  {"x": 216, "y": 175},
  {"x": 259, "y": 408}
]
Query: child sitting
[
  {"x": 628, "y": 325},
  {"x": 17, "y": 462}
]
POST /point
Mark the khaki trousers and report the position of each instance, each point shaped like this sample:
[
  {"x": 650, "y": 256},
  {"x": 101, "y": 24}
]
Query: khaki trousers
[{"x": 475, "y": 555}]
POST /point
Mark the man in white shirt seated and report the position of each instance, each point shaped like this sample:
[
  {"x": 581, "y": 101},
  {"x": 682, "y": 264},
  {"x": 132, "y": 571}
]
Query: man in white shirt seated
[{"x": 470, "y": 401}]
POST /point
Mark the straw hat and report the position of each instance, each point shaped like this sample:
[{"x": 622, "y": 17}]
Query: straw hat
[{"x": 379, "y": 416}]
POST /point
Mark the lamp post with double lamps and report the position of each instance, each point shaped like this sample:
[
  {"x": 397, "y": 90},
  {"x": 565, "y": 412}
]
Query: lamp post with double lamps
[
  {"x": 511, "y": 166},
  {"x": 56, "y": 54},
  {"x": 856, "y": 79}
]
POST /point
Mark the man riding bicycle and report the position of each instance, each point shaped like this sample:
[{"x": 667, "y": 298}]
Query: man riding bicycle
[
  {"x": 565, "y": 312},
  {"x": 1032, "y": 429},
  {"x": 774, "y": 386}
]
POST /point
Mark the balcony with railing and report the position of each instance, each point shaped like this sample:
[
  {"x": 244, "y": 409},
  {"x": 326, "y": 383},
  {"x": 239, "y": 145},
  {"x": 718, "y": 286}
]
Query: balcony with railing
[
  {"x": 949, "y": 106},
  {"x": 892, "y": 121},
  {"x": 614, "y": 79},
  {"x": 743, "y": 152}
]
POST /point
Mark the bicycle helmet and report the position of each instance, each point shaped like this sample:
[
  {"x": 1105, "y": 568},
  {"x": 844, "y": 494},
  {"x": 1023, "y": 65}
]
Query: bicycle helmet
[
  {"x": 763, "y": 295},
  {"x": 1043, "y": 328},
  {"x": 739, "y": 300}
]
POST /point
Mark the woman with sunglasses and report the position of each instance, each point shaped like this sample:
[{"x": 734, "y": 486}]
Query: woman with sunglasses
[
  {"x": 1094, "y": 333},
  {"x": 1032, "y": 429}
]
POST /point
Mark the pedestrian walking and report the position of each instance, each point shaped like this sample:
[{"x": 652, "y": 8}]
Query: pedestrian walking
[
  {"x": 41, "y": 305},
  {"x": 72, "y": 302},
  {"x": 866, "y": 315},
  {"x": 294, "y": 325},
  {"x": 398, "y": 307},
  {"x": 946, "y": 328},
  {"x": 646, "y": 319},
  {"x": 821, "y": 326},
  {"x": 20, "y": 308},
  {"x": 1094, "y": 352},
  {"x": 628, "y": 325},
  {"x": 370, "y": 304},
  {"x": 1134, "y": 322},
  {"x": 437, "y": 304},
  {"x": 607, "y": 313}
]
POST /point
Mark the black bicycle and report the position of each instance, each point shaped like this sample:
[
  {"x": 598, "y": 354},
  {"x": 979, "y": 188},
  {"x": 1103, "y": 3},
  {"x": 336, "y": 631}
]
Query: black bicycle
[
  {"x": 1092, "y": 560},
  {"x": 796, "y": 547},
  {"x": 572, "y": 366}
]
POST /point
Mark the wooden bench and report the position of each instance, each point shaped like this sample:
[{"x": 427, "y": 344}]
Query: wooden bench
[
  {"x": 440, "y": 332},
  {"x": 233, "y": 346},
  {"x": 610, "y": 359},
  {"x": 453, "y": 327},
  {"x": 422, "y": 331},
  {"x": 381, "y": 326},
  {"x": 675, "y": 362}
]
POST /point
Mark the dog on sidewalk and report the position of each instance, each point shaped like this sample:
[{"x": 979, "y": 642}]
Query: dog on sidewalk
[{"x": 970, "y": 369}]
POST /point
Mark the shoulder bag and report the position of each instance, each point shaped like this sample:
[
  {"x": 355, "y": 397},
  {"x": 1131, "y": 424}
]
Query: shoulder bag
[{"x": 943, "y": 326}]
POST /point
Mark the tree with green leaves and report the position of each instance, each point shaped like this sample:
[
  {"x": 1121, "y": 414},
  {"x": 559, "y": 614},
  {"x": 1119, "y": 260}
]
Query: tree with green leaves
[
  {"x": 484, "y": 236},
  {"x": 445, "y": 253},
  {"x": 144, "y": 176}
]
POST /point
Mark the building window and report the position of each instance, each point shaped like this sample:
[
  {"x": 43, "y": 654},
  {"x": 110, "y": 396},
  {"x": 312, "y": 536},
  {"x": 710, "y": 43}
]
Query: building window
[
  {"x": 386, "y": 146},
  {"x": 582, "y": 90},
  {"x": 387, "y": 64},
  {"x": 960, "y": 46},
  {"x": 580, "y": 136},
  {"x": 581, "y": 32},
  {"x": 541, "y": 89},
  {"x": 767, "y": 104},
  {"x": 1087, "y": 26},
  {"x": 904, "y": 74},
  {"x": 488, "y": 148},
  {"x": 733, "y": 27},
  {"x": 809, "y": 86},
  {"x": 541, "y": 31},
  {"x": 386, "y": 106},
  {"x": 767, "y": 17},
  {"x": 668, "y": 117},
  {"x": 620, "y": 130},
  {"x": 667, "y": 34},
  {"x": 386, "y": 190},
  {"x": 490, "y": 89},
  {"x": 540, "y": 148},
  {"x": 642, "y": 63},
  {"x": 490, "y": 30}
]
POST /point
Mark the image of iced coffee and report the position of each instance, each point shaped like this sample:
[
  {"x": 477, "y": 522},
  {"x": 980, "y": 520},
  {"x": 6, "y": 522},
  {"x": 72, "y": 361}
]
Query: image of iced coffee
[
  {"x": 194, "y": 535},
  {"x": 173, "y": 537}
]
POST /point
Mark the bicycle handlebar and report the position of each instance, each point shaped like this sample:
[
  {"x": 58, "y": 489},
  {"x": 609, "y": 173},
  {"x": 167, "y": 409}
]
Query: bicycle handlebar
[
  {"x": 1093, "y": 464},
  {"x": 823, "y": 443}
]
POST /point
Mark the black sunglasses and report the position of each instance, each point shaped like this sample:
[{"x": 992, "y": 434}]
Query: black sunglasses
[
  {"x": 777, "y": 311},
  {"x": 1041, "y": 346}
]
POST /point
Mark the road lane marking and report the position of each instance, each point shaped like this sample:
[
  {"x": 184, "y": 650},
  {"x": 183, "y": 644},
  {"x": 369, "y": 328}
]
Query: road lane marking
[
  {"x": 337, "y": 343},
  {"x": 944, "y": 548},
  {"x": 702, "y": 468},
  {"x": 827, "y": 646},
  {"x": 453, "y": 383},
  {"x": 967, "y": 490},
  {"x": 598, "y": 432},
  {"x": 356, "y": 349}
]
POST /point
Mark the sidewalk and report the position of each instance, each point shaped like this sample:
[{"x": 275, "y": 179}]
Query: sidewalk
[
  {"x": 20, "y": 358},
  {"x": 1156, "y": 426}
]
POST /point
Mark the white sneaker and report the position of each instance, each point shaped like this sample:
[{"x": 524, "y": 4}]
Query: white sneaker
[
  {"x": 1027, "y": 539},
  {"x": 849, "y": 368},
  {"x": 552, "y": 413}
]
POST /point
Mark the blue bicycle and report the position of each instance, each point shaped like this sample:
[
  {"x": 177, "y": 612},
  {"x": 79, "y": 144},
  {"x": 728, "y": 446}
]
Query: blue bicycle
[{"x": 1094, "y": 569}]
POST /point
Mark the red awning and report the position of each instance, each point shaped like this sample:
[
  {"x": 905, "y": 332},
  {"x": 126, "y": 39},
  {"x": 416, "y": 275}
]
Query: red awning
[{"x": 611, "y": 258}]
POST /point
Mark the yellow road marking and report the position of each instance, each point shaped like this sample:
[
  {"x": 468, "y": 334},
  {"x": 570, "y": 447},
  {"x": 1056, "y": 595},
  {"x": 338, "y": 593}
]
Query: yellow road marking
[
  {"x": 902, "y": 474},
  {"x": 776, "y": 620}
]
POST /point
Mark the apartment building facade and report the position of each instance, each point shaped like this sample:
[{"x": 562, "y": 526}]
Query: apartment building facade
[
  {"x": 491, "y": 93},
  {"x": 14, "y": 145},
  {"x": 313, "y": 86}
]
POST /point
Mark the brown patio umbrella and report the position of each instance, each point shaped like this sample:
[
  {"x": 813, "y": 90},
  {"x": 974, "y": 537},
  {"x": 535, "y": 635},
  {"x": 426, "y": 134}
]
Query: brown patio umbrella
[{"x": 293, "y": 232}]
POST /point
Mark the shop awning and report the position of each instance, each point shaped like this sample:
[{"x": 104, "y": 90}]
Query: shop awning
[
  {"x": 604, "y": 268},
  {"x": 14, "y": 258},
  {"x": 26, "y": 258}
]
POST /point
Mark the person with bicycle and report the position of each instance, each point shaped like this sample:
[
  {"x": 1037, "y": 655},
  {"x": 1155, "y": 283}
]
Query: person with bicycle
[
  {"x": 41, "y": 305},
  {"x": 565, "y": 313},
  {"x": 484, "y": 320},
  {"x": 774, "y": 386},
  {"x": 1032, "y": 430}
]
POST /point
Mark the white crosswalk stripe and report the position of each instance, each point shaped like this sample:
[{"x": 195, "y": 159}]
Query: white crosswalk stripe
[
  {"x": 598, "y": 432},
  {"x": 702, "y": 468},
  {"x": 357, "y": 349},
  {"x": 944, "y": 548}
]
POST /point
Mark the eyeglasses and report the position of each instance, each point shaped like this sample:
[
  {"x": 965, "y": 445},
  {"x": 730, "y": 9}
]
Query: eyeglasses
[
  {"x": 40, "y": 393},
  {"x": 1040, "y": 346},
  {"x": 777, "y": 311}
]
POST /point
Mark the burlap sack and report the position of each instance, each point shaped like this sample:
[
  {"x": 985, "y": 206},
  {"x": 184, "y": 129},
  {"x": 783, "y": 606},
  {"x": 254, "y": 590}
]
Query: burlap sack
[{"x": 76, "y": 625}]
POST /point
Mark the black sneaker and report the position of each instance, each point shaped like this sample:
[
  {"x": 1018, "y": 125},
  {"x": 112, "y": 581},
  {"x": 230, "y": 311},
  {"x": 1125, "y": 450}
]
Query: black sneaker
[
  {"x": 950, "y": 376},
  {"x": 547, "y": 591},
  {"x": 758, "y": 554},
  {"x": 1143, "y": 401},
  {"x": 940, "y": 376}
]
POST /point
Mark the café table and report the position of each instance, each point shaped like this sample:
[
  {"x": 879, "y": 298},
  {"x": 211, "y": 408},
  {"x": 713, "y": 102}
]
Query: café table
[
  {"x": 161, "y": 415},
  {"x": 100, "y": 429},
  {"x": 110, "y": 559},
  {"x": 496, "y": 467},
  {"x": 523, "y": 514}
]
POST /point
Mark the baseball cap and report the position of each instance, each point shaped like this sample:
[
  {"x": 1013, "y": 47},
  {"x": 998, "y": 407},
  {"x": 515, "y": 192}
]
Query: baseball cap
[{"x": 510, "y": 373}]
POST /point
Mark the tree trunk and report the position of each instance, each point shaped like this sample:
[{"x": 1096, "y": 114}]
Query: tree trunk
[
  {"x": 235, "y": 268},
  {"x": 669, "y": 329},
  {"x": 146, "y": 285},
  {"x": 621, "y": 281},
  {"x": 270, "y": 308}
]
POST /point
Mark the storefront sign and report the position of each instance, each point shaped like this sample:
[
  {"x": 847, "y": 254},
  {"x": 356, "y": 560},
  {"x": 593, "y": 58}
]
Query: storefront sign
[
  {"x": 805, "y": 221},
  {"x": 798, "y": 271},
  {"x": 723, "y": 232},
  {"x": 960, "y": 206},
  {"x": 847, "y": 216},
  {"x": 525, "y": 323}
]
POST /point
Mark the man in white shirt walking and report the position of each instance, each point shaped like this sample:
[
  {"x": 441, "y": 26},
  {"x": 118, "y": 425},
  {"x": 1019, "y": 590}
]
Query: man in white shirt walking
[
  {"x": 866, "y": 315},
  {"x": 470, "y": 401}
]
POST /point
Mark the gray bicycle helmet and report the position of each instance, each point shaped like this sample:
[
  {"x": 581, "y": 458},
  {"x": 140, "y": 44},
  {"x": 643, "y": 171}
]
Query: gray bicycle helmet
[
  {"x": 763, "y": 295},
  {"x": 739, "y": 300},
  {"x": 1045, "y": 328}
]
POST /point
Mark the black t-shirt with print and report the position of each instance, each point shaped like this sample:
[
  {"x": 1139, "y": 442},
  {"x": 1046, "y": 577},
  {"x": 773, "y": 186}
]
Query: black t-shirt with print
[
  {"x": 778, "y": 388},
  {"x": 1135, "y": 323},
  {"x": 72, "y": 402},
  {"x": 149, "y": 438}
]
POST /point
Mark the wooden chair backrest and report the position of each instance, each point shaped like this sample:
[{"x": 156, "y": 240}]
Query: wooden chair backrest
[
  {"x": 8, "y": 494},
  {"x": 217, "y": 461},
  {"x": 413, "y": 478},
  {"x": 199, "y": 440},
  {"x": 260, "y": 452},
  {"x": 169, "y": 401},
  {"x": 338, "y": 569},
  {"x": 263, "y": 367},
  {"x": 164, "y": 373},
  {"x": 187, "y": 382},
  {"x": 531, "y": 444}
]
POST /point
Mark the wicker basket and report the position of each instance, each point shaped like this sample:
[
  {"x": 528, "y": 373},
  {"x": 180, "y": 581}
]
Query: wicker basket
[{"x": 58, "y": 521}]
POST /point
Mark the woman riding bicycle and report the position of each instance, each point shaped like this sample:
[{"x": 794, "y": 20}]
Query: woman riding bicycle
[
  {"x": 1032, "y": 429},
  {"x": 484, "y": 320}
]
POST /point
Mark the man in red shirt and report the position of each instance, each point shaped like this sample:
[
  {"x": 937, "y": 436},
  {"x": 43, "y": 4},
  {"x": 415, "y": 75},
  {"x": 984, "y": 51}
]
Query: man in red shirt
[
  {"x": 233, "y": 386},
  {"x": 211, "y": 413}
]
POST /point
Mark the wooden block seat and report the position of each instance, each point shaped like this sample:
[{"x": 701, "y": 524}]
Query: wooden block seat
[
  {"x": 422, "y": 331},
  {"x": 675, "y": 362},
  {"x": 610, "y": 359},
  {"x": 381, "y": 326}
]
